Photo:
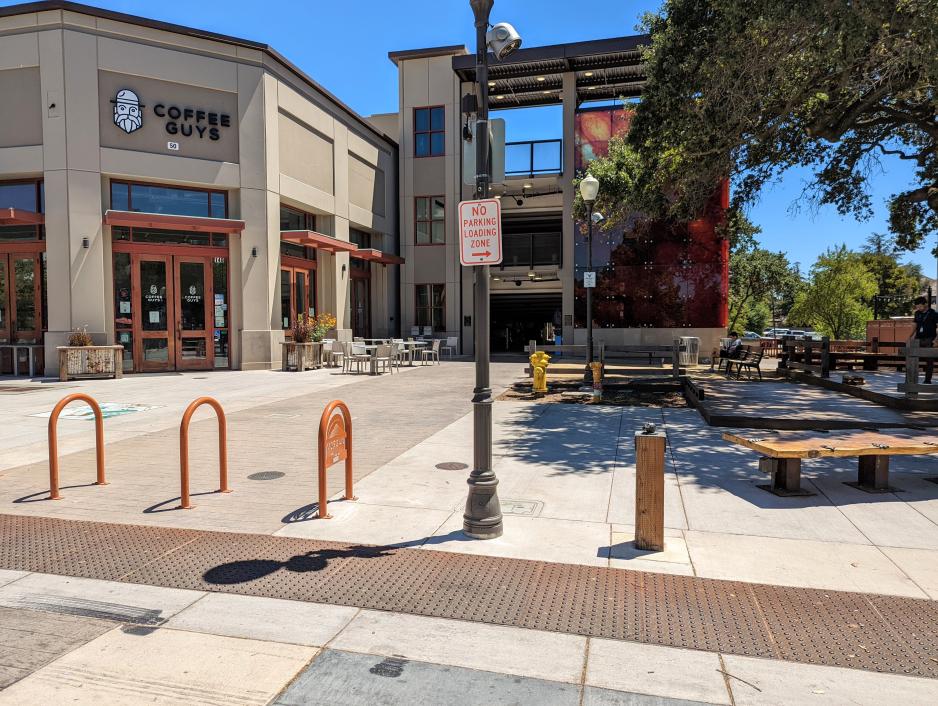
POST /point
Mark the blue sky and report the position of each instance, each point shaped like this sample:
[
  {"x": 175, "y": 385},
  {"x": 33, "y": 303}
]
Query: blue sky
[{"x": 344, "y": 46}]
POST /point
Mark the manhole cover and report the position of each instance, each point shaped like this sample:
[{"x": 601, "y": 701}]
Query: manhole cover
[
  {"x": 266, "y": 475},
  {"x": 452, "y": 466}
]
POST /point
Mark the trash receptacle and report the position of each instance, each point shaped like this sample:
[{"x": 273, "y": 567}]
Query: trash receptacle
[{"x": 690, "y": 351}]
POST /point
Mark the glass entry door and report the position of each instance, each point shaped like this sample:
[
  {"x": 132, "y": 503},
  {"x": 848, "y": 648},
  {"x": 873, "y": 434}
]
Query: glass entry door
[
  {"x": 155, "y": 334},
  {"x": 174, "y": 330},
  {"x": 195, "y": 348},
  {"x": 20, "y": 296},
  {"x": 361, "y": 306}
]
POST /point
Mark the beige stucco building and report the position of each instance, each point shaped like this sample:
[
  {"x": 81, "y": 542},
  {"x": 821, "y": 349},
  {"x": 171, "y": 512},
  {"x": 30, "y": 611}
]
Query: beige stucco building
[
  {"x": 181, "y": 193},
  {"x": 655, "y": 283}
]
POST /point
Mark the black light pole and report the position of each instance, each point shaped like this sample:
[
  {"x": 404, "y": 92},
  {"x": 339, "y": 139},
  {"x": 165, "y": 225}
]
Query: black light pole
[
  {"x": 482, "y": 518},
  {"x": 589, "y": 188}
]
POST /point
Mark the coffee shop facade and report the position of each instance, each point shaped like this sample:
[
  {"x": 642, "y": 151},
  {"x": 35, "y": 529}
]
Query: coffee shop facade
[{"x": 182, "y": 194}]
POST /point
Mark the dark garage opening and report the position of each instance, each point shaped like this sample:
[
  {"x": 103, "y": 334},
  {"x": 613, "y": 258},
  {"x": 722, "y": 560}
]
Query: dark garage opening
[{"x": 521, "y": 317}]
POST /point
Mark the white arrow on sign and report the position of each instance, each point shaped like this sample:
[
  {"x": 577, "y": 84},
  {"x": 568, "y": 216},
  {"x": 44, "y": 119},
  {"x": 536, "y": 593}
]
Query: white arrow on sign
[{"x": 480, "y": 232}]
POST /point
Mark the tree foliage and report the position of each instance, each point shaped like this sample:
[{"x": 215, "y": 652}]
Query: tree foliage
[
  {"x": 746, "y": 89},
  {"x": 756, "y": 275},
  {"x": 833, "y": 302},
  {"x": 897, "y": 284}
]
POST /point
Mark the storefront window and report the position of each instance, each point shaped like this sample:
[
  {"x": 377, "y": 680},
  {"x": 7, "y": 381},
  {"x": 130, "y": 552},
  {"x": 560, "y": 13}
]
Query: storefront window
[
  {"x": 123, "y": 307},
  {"x": 431, "y": 306},
  {"x": 150, "y": 198},
  {"x": 156, "y": 236},
  {"x": 24, "y": 196},
  {"x": 293, "y": 219},
  {"x": 21, "y": 195}
]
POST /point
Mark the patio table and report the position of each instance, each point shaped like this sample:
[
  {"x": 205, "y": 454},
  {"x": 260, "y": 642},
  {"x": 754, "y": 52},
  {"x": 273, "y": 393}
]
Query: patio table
[{"x": 415, "y": 345}]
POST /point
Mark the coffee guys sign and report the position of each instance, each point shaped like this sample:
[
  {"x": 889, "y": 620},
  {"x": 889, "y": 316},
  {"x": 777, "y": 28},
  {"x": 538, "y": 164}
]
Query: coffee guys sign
[{"x": 183, "y": 121}]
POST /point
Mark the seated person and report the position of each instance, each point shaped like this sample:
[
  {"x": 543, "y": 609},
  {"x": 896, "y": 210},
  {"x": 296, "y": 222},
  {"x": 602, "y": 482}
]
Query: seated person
[{"x": 735, "y": 346}]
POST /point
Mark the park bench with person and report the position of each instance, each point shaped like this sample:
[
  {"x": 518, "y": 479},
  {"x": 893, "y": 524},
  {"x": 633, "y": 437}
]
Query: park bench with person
[
  {"x": 782, "y": 453},
  {"x": 748, "y": 357}
]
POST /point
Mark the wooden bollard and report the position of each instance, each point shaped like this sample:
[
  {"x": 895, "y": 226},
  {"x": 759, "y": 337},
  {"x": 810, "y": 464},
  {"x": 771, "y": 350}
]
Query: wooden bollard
[{"x": 650, "y": 446}]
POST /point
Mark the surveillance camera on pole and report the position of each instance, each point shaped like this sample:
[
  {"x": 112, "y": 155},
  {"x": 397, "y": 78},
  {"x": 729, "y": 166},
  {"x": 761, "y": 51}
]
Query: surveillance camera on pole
[
  {"x": 503, "y": 39},
  {"x": 482, "y": 518}
]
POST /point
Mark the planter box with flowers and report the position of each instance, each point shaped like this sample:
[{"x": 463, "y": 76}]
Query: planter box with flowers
[
  {"x": 304, "y": 351},
  {"x": 82, "y": 359}
]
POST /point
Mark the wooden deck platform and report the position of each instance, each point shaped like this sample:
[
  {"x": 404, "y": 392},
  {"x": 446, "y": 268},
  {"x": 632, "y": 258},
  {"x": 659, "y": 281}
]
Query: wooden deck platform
[{"x": 787, "y": 405}]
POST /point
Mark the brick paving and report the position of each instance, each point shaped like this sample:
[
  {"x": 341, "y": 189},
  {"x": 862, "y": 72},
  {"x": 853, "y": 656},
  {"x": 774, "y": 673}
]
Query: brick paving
[
  {"x": 278, "y": 436},
  {"x": 862, "y": 631}
]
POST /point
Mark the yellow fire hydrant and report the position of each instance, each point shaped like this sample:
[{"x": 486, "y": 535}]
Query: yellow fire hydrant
[{"x": 539, "y": 361}]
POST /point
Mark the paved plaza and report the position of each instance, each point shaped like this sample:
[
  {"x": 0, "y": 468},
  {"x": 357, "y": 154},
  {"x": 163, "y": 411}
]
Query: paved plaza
[{"x": 305, "y": 617}]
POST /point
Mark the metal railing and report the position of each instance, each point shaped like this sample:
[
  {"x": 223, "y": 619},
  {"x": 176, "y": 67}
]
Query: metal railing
[{"x": 533, "y": 157}]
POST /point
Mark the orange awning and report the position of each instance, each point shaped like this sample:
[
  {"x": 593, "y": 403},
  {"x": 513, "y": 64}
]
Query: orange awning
[
  {"x": 18, "y": 217},
  {"x": 135, "y": 219},
  {"x": 318, "y": 241},
  {"x": 373, "y": 255}
]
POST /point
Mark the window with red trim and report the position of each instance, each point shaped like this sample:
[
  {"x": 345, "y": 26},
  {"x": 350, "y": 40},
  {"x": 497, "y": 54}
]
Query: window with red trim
[
  {"x": 430, "y": 221},
  {"x": 429, "y": 131}
]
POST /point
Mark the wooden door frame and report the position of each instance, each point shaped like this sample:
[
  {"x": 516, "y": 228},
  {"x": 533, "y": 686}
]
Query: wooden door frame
[
  {"x": 29, "y": 253},
  {"x": 308, "y": 267},
  {"x": 208, "y": 298},
  {"x": 137, "y": 301},
  {"x": 353, "y": 280}
]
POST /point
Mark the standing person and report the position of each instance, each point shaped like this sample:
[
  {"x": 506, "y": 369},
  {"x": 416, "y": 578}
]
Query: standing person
[{"x": 926, "y": 322}]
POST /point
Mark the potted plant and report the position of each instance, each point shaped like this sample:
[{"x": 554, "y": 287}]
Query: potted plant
[
  {"x": 305, "y": 350},
  {"x": 81, "y": 358}
]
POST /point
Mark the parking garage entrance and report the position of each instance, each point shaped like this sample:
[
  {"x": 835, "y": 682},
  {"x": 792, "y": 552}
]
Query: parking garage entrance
[{"x": 521, "y": 317}]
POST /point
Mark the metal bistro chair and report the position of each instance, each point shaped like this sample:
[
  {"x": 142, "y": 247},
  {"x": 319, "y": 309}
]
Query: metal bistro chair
[
  {"x": 402, "y": 352},
  {"x": 432, "y": 353},
  {"x": 358, "y": 356},
  {"x": 451, "y": 343},
  {"x": 414, "y": 330},
  {"x": 384, "y": 357},
  {"x": 427, "y": 331}
]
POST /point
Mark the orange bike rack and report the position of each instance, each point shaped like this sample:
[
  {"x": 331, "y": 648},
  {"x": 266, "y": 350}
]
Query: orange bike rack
[
  {"x": 54, "y": 444},
  {"x": 184, "y": 449},
  {"x": 335, "y": 444}
]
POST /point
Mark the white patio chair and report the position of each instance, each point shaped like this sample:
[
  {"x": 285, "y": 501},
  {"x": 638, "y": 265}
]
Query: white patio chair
[
  {"x": 384, "y": 357},
  {"x": 359, "y": 356},
  {"x": 402, "y": 352},
  {"x": 432, "y": 353},
  {"x": 427, "y": 331},
  {"x": 451, "y": 344},
  {"x": 414, "y": 330}
]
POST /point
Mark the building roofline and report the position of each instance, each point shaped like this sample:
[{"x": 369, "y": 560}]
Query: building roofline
[
  {"x": 427, "y": 52},
  {"x": 571, "y": 50},
  {"x": 65, "y": 5}
]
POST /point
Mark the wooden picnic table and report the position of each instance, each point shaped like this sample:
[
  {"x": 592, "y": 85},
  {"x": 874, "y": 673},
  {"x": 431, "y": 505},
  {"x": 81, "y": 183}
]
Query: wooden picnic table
[{"x": 783, "y": 451}]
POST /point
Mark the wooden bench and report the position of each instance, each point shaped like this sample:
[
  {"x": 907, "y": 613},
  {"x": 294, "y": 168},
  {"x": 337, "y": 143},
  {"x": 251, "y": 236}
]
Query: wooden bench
[
  {"x": 750, "y": 358},
  {"x": 782, "y": 454}
]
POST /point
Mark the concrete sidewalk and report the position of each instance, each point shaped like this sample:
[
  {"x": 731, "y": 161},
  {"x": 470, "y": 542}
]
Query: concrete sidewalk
[{"x": 85, "y": 641}]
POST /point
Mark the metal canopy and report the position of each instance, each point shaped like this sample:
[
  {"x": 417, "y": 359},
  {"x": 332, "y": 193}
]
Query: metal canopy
[
  {"x": 318, "y": 241},
  {"x": 604, "y": 69},
  {"x": 19, "y": 217}
]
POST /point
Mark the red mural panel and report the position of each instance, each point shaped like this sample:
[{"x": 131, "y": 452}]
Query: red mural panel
[{"x": 650, "y": 274}]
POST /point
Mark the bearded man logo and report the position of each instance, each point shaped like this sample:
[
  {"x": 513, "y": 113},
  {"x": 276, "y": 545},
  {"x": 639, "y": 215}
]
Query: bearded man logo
[{"x": 128, "y": 112}]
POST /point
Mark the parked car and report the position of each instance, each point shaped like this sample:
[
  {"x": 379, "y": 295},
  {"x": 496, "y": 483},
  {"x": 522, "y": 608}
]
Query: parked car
[
  {"x": 751, "y": 336},
  {"x": 775, "y": 332}
]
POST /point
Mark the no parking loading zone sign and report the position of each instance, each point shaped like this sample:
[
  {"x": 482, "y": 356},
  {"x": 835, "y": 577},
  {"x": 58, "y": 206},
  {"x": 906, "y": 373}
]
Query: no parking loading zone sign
[{"x": 480, "y": 232}]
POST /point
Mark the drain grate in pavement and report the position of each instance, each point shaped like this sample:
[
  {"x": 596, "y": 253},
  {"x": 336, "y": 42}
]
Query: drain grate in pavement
[
  {"x": 871, "y": 632},
  {"x": 452, "y": 466},
  {"x": 266, "y": 475}
]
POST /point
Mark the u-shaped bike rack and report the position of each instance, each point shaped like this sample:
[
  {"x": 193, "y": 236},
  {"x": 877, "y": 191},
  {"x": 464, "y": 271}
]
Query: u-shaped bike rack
[
  {"x": 184, "y": 449},
  {"x": 54, "y": 444},
  {"x": 335, "y": 444}
]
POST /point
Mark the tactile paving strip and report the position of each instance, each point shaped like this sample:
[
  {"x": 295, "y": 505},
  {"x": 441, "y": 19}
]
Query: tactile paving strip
[{"x": 871, "y": 632}]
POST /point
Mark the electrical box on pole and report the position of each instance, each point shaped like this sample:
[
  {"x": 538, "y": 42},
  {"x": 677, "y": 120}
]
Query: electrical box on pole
[{"x": 496, "y": 152}]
